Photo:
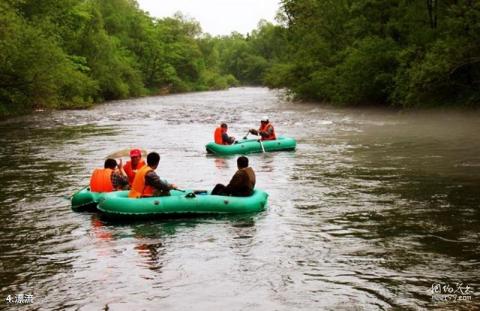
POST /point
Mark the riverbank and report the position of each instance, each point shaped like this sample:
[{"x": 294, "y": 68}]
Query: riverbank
[{"x": 286, "y": 95}]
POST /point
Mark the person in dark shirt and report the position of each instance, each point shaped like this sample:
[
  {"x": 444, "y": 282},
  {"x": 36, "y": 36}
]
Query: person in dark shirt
[
  {"x": 147, "y": 183},
  {"x": 119, "y": 177},
  {"x": 241, "y": 184},
  {"x": 110, "y": 178},
  {"x": 221, "y": 137}
]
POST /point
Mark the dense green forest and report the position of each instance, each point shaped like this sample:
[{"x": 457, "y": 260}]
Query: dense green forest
[
  {"x": 73, "y": 53},
  {"x": 350, "y": 52}
]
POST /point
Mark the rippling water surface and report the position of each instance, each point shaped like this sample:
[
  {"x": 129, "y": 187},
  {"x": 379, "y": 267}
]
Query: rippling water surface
[{"x": 373, "y": 209}]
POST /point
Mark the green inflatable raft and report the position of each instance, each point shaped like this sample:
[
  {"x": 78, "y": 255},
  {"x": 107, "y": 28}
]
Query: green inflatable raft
[
  {"x": 85, "y": 200},
  {"x": 118, "y": 204},
  {"x": 245, "y": 146}
]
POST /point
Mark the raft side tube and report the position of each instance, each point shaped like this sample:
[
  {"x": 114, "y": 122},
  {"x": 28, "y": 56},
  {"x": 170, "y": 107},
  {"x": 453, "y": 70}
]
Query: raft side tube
[
  {"x": 181, "y": 203},
  {"x": 246, "y": 146}
]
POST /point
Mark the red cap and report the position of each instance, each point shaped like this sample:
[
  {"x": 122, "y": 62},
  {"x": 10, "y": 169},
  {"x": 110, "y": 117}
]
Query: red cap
[{"x": 135, "y": 153}]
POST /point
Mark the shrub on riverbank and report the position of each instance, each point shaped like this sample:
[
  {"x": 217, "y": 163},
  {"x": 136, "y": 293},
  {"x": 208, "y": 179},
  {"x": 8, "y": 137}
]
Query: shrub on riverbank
[
  {"x": 73, "y": 53},
  {"x": 402, "y": 53}
]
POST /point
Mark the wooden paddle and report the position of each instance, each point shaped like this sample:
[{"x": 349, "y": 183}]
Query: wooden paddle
[
  {"x": 261, "y": 144},
  {"x": 125, "y": 153},
  {"x": 260, "y": 140}
]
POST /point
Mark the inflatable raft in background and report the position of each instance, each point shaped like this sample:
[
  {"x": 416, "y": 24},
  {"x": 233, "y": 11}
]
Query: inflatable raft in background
[
  {"x": 85, "y": 200},
  {"x": 118, "y": 204},
  {"x": 245, "y": 146}
]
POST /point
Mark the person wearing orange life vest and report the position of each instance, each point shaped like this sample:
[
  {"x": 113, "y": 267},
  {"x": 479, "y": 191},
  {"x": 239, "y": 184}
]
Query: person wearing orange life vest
[
  {"x": 108, "y": 179},
  {"x": 135, "y": 163},
  {"x": 147, "y": 183},
  {"x": 266, "y": 130},
  {"x": 221, "y": 137}
]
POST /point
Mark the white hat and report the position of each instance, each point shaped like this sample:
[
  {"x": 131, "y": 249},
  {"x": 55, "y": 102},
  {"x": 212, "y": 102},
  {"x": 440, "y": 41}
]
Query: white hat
[{"x": 264, "y": 119}]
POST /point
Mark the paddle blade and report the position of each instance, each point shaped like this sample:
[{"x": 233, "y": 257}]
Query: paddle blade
[
  {"x": 261, "y": 144},
  {"x": 125, "y": 153}
]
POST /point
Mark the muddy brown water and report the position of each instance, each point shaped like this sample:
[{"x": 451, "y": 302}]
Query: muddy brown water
[{"x": 375, "y": 210}]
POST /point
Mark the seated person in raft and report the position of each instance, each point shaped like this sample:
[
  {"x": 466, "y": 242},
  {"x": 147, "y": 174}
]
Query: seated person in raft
[
  {"x": 147, "y": 183},
  {"x": 241, "y": 184},
  {"x": 110, "y": 178},
  {"x": 221, "y": 137},
  {"x": 136, "y": 162},
  {"x": 266, "y": 130}
]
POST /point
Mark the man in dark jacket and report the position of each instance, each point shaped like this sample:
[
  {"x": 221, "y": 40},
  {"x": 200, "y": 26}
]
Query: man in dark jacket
[
  {"x": 241, "y": 184},
  {"x": 147, "y": 183}
]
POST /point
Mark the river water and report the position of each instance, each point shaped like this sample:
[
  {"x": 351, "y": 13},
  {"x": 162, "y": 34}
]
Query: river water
[{"x": 375, "y": 210}]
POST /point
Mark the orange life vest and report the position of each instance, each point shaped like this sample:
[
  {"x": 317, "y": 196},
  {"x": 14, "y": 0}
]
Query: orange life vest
[
  {"x": 101, "y": 180},
  {"x": 218, "y": 136},
  {"x": 265, "y": 128},
  {"x": 139, "y": 188},
  {"x": 131, "y": 171}
]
